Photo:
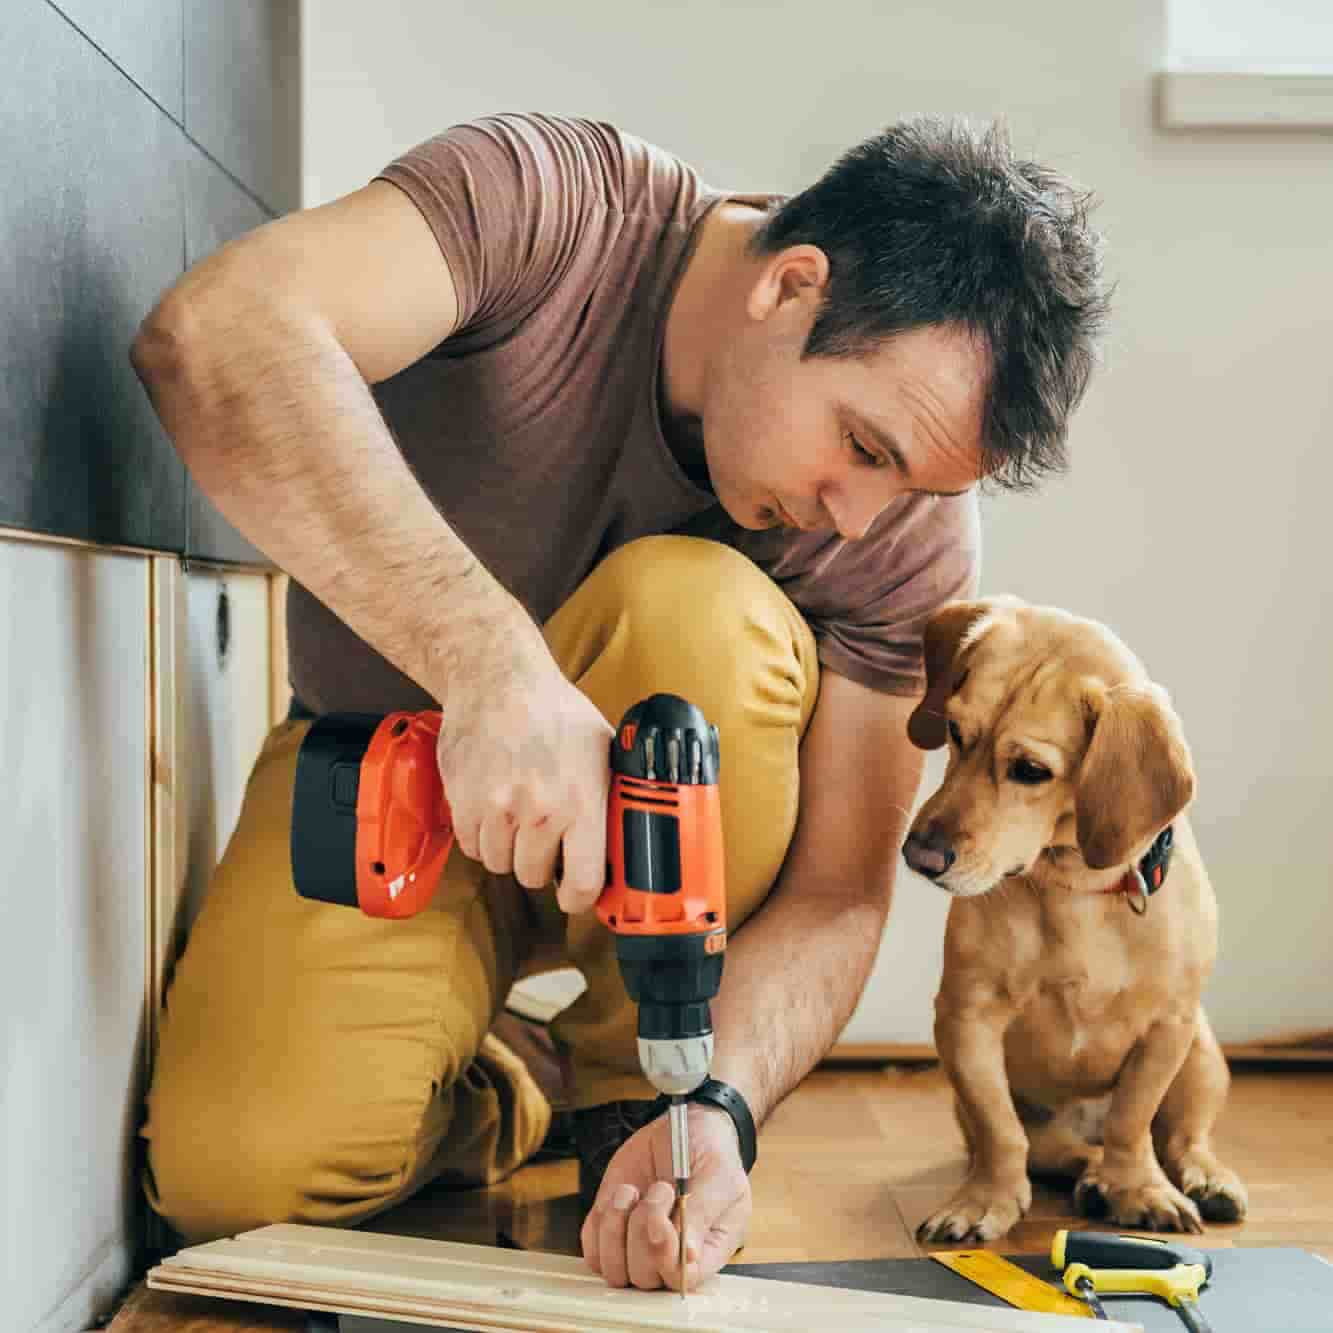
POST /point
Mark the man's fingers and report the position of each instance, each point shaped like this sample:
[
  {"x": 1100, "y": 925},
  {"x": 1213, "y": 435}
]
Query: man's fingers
[
  {"x": 584, "y": 872},
  {"x": 652, "y": 1239},
  {"x": 496, "y": 843},
  {"x": 588, "y": 1240},
  {"x": 535, "y": 855},
  {"x": 612, "y": 1226}
]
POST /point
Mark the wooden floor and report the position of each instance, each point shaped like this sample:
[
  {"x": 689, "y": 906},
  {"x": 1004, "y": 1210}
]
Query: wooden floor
[{"x": 848, "y": 1166}]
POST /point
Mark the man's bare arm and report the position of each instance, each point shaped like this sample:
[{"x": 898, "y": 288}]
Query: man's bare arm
[
  {"x": 796, "y": 970},
  {"x": 258, "y": 362}
]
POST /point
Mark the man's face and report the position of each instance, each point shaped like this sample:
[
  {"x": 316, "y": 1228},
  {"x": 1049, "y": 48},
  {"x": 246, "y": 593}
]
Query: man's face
[{"x": 829, "y": 442}]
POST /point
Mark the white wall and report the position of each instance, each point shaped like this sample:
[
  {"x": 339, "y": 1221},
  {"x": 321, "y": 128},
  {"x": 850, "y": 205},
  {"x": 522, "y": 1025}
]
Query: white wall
[
  {"x": 1195, "y": 519},
  {"x": 1287, "y": 36}
]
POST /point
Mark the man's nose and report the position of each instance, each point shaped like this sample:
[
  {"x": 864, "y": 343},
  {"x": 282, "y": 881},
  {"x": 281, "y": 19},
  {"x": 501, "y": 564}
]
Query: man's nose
[{"x": 853, "y": 513}]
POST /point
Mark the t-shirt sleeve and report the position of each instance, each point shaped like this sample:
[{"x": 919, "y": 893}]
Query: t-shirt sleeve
[
  {"x": 889, "y": 584},
  {"x": 508, "y": 200}
]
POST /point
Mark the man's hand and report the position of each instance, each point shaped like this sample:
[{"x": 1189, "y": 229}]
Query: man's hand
[
  {"x": 525, "y": 764},
  {"x": 629, "y": 1237}
]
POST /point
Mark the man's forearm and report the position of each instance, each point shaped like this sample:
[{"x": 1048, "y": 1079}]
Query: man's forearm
[
  {"x": 278, "y": 427},
  {"x": 793, "y": 976}
]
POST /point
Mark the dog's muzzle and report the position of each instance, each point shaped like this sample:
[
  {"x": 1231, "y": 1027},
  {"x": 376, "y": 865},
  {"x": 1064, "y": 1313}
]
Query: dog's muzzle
[{"x": 929, "y": 854}]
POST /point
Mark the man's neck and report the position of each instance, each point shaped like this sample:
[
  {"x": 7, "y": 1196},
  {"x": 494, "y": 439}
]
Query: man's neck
[{"x": 709, "y": 292}]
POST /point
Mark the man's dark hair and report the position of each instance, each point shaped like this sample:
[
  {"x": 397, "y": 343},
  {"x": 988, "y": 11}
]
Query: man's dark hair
[{"x": 934, "y": 222}]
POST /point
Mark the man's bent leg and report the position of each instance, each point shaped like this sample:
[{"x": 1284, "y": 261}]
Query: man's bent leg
[
  {"x": 317, "y": 1065},
  {"x": 697, "y": 619}
]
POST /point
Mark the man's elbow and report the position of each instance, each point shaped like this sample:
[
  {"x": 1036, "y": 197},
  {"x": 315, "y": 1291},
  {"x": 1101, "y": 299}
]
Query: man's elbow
[
  {"x": 163, "y": 344},
  {"x": 200, "y": 322}
]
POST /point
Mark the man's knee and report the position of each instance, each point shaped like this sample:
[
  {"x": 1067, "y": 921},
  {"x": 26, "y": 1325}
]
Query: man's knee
[
  {"x": 706, "y": 577},
  {"x": 690, "y": 600}
]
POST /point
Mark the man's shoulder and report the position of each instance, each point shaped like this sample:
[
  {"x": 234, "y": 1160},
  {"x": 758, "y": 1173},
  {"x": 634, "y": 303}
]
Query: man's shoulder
[{"x": 624, "y": 169}]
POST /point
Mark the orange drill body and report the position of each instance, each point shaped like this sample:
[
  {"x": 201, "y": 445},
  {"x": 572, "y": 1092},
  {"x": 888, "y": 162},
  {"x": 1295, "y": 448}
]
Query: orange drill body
[{"x": 679, "y": 829}]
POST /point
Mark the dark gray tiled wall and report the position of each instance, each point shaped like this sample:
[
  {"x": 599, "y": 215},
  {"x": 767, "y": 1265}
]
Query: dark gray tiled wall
[
  {"x": 91, "y": 215},
  {"x": 143, "y": 37},
  {"x": 105, "y": 196},
  {"x": 241, "y": 91}
]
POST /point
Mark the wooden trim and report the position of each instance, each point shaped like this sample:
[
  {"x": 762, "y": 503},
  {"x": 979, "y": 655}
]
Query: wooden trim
[
  {"x": 279, "y": 690},
  {"x": 79, "y": 543},
  {"x": 451, "y": 1285},
  {"x": 120, "y": 548},
  {"x": 881, "y": 1053},
  {"x": 1309, "y": 1048},
  {"x": 1262, "y": 1052},
  {"x": 168, "y": 780}
]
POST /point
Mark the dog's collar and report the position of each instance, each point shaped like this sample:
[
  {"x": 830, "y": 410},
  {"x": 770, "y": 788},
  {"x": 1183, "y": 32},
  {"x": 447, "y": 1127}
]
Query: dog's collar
[{"x": 1141, "y": 881}]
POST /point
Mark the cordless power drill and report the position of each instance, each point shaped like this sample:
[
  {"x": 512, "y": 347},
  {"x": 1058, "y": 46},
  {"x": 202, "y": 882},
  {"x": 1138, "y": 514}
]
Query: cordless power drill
[{"x": 371, "y": 828}]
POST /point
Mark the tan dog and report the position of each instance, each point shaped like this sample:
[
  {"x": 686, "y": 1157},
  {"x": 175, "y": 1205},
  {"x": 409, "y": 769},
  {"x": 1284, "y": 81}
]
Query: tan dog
[{"x": 1069, "y": 1023}]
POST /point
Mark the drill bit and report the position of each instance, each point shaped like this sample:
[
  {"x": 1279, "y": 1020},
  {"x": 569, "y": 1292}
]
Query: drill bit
[{"x": 680, "y": 1167}]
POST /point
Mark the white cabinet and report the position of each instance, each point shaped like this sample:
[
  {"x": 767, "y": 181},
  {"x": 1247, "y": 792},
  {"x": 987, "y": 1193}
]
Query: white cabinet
[
  {"x": 73, "y": 825},
  {"x": 226, "y": 713}
]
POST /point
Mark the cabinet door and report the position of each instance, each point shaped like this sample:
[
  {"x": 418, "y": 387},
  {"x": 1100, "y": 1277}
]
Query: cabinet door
[
  {"x": 73, "y": 823},
  {"x": 226, "y": 675}
]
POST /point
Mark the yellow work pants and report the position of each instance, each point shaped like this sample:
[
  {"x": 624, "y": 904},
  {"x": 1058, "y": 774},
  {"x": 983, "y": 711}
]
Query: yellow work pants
[{"x": 317, "y": 1065}]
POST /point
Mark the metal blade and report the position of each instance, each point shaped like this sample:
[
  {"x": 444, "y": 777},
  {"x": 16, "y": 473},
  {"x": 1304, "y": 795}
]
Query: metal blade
[{"x": 680, "y": 1168}]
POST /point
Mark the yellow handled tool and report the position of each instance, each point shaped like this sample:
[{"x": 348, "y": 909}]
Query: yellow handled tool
[{"x": 1094, "y": 1263}]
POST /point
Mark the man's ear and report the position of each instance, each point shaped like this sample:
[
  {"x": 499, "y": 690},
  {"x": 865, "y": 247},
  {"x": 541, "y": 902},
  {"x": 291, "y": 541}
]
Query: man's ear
[
  {"x": 927, "y": 728},
  {"x": 796, "y": 272},
  {"x": 1136, "y": 776}
]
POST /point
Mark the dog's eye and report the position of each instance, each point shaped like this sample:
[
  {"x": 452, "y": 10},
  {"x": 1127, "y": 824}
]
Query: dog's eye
[
  {"x": 955, "y": 734},
  {"x": 1028, "y": 773}
]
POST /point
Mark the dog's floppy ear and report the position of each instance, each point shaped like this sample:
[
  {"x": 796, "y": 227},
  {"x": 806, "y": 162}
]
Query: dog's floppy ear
[
  {"x": 1136, "y": 776},
  {"x": 927, "y": 727}
]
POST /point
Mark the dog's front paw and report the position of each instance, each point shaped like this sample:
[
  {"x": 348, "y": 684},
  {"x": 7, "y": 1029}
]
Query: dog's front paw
[
  {"x": 984, "y": 1209},
  {"x": 1216, "y": 1189},
  {"x": 1147, "y": 1201}
]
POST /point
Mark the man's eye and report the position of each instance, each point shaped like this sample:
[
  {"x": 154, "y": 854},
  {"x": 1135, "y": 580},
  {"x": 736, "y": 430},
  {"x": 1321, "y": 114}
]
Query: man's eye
[
  {"x": 864, "y": 454},
  {"x": 956, "y": 734},
  {"x": 1028, "y": 773}
]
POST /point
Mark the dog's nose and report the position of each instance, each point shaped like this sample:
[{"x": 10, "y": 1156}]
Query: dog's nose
[{"x": 929, "y": 854}]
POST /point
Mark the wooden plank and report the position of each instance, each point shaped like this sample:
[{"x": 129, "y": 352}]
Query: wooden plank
[{"x": 446, "y": 1284}]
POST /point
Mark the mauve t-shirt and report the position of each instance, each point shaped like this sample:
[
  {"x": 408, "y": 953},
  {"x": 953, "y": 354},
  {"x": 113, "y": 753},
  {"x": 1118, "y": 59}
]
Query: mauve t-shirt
[{"x": 535, "y": 427}]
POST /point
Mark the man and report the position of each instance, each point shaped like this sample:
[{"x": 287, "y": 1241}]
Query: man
[{"x": 540, "y": 424}]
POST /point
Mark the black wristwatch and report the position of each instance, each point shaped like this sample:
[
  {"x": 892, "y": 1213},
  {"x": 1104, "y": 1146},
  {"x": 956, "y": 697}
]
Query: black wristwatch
[{"x": 713, "y": 1092}]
